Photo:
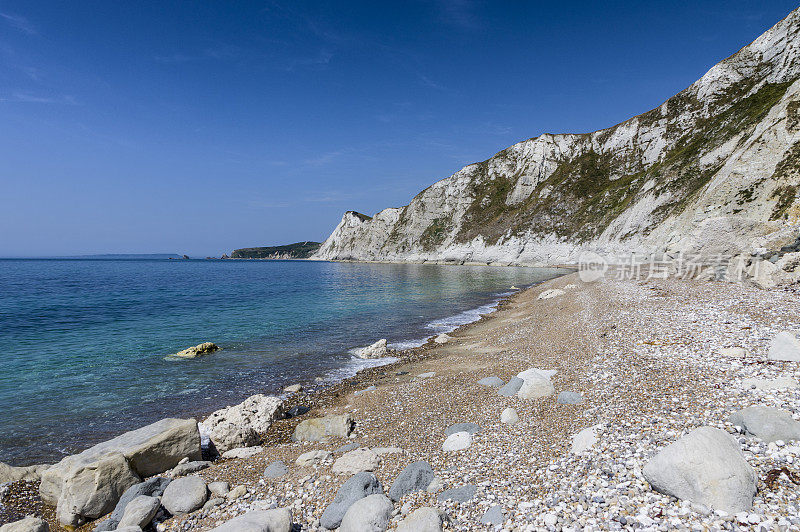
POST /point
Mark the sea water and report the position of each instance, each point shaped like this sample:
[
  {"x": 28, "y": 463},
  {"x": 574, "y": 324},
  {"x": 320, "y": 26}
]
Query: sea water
[{"x": 85, "y": 343}]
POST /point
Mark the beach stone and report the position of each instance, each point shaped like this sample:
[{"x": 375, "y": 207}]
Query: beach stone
[
  {"x": 357, "y": 460},
  {"x": 380, "y": 451},
  {"x": 312, "y": 457},
  {"x": 535, "y": 373},
  {"x": 785, "y": 346},
  {"x": 550, "y": 294},
  {"x": 140, "y": 511},
  {"x": 511, "y": 387},
  {"x": 357, "y": 487},
  {"x": 733, "y": 352},
  {"x": 129, "y": 528},
  {"x": 240, "y": 425},
  {"x": 153, "y": 487},
  {"x": 29, "y": 524},
  {"x": 458, "y": 441},
  {"x": 92, "y": 490},
  {"x": 569, "y": 398},
  {"x": 276, "y": 469},
  {"x": 201, "y": 349},
  {"x": 317, "y": 429},
  {"x": 493, "y": 515},
  {"x": 442, "y": 339},
  {"x": 416, "y": 476},
  {"x": 584, "y": 440},
  {"x": 296, "y": 411},
  {"x": 294, "y": 388},
  {"x": 536, "y": 387},
  {"x": 149, "y": 450},
  {"x": 470, "y": 427},
  {"x": 219, "y": 488},
  {"x": 185, "y": 495},
  {"x": 367, "y": 389},
  {"x": 10, "y": 473},
  {"x": 435, "y": 485},
  {"x": 346, "y": 447},
  {"x": 236, "y": 493},
  {"x": 370, "y": 514},
  {"x": 376, "y": 350},
  {"x": 187, "y": 468},
  {"x": 769, "y": 424},
  {"x": 426, "y": 375},
  {"x": 242, "y": 452},
  {"x": 705, "y": 467},
  {"x": 770, "y": 384},
  {"x": 424, "y": 519},
  {"x": 213, "y": 503},
  {"x": 509, "y": 416},
  {"x": 277, "y": 520},
  {"x": 494, "y": 382},
  {"x": 460, "y": 494}
]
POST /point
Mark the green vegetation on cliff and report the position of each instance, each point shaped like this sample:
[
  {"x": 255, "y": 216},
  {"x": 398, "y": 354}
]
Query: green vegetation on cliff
[{"x": 298, "y": 250}]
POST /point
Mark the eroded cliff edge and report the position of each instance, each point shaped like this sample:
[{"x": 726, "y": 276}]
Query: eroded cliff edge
[{"x": 714, "y": 169}]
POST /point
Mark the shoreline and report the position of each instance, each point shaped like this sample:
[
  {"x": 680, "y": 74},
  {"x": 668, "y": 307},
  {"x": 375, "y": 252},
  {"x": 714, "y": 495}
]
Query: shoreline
[{"x": 643, "y": 354}]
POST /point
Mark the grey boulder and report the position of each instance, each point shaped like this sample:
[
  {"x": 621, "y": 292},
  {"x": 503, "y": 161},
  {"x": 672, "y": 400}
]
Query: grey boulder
[
  {"x": 276, "y": 469},
  {"x": 416, "y": 476},
  {"x": 370, "y": 514},
  {"x": 471, "y": 428},
  {"x": 277, "y": 520},
  {"x": 185, "y": 495},
  {"x": 317, "y": 429},
  {"x": 460, "y": 494},
  {"x": 357, "y": 487},
  {"x": 493, "y": 382},
  {"x": 241, "y": 425},
  {"x": 29, "y": 524},
  {"x": 140, "y": 512},
  {"x": 769, "y": 424},
  {"x": 425, "y": 519},
  {"x": 569, "y": 398},
  {"x": 511, "y": 387},
  {"x": 187, "y": 468},
  {"x": 219, "y": 488},
  {"x": 153, "y": 487},
  {"x": 706, "y": 467}
]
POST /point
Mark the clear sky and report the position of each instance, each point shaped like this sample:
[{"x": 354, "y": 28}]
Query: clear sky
[{"x": 199, "y": 127}]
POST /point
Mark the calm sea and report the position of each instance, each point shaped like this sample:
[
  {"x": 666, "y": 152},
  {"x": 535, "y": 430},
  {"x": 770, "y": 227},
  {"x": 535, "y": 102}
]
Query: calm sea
[{"x": 84, "y": 341}]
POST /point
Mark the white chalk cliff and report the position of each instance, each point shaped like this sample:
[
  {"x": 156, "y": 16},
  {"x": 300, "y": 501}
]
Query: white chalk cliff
[{"x": 714, "y": 169}]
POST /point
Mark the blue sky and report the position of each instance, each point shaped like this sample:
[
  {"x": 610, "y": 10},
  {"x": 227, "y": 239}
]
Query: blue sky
[{"x": 199, "y": 127}]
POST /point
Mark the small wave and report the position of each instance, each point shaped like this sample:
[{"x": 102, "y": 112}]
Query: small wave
[
  {"x": 452, "y": 323},
  {"x": 353, "y": 366}
]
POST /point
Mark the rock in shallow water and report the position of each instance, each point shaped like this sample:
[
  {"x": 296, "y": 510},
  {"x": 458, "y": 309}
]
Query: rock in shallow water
[
  {"x": 376, "y": 350},
  {"x": 198, "y": 350},
  {"x": 769, "y": 424},
  {"x": 370, "y": 514},
  {"x": 357, "y": 487},
  {"x": 706, "y": 467}
]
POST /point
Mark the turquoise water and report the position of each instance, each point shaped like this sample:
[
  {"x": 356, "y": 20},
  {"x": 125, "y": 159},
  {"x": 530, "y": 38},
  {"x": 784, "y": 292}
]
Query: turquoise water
[{"x": 84, "y": 341}]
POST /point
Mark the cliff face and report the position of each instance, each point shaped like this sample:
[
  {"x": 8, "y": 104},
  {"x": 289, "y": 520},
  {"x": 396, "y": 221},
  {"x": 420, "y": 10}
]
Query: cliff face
[{"x": 714, "y": 169}]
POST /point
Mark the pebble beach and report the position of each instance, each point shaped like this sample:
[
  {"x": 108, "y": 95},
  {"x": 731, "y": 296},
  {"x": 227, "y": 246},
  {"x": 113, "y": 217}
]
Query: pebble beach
[{"x": 635, "y": 365}]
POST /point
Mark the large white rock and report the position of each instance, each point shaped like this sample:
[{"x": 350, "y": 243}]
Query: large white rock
[
  {"x": 536, "y": 387},
  {"x": 240, "y": 425},
  {"x": 550, "y": 294},
  {"x": 370, "y": 514},
  {"x": 277, "y": 520},
  {"x": 356, "y": 461},
  {"x": 457, "y": 441},
  {"x": 785, "y": 347},
  {"x": 769, "y": 424},
  {"x": 584, "y": 440},
  {"x": 376, "y": 350},
  {"x": 706, "y": 467},
  {"x": 424, "y": 519},
  {"x": 10, "y": 473}
]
